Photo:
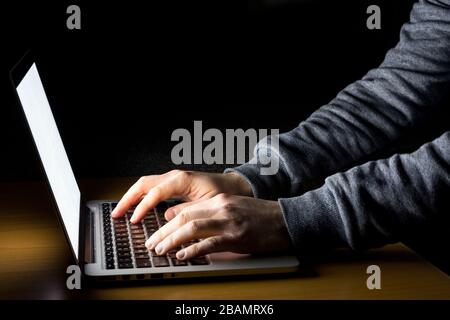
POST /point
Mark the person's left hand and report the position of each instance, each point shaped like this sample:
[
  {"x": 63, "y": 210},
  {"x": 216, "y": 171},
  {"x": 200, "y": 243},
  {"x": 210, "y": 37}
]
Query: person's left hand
[{"x": 224, "y": 223}]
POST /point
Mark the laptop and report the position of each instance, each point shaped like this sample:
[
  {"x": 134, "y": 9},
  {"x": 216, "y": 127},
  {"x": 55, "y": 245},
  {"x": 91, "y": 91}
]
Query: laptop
[{"x": 113, "y": 249}]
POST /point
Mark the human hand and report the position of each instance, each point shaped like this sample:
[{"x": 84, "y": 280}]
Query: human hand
[
  {"x": 225, "y": 223},
  {"x": 189, "y": 186}
]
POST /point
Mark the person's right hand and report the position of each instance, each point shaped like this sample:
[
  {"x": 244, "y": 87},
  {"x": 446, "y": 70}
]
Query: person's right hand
[{"x": 189, "y": 186}]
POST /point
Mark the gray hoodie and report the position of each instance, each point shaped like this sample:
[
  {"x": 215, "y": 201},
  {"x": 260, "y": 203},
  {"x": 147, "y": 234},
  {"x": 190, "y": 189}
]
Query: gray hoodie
[{"x": 377, "y": 202}]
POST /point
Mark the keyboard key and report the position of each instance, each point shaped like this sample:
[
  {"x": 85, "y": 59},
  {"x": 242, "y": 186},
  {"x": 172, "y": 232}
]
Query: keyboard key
[
  {"x": 110, "y": 266},
  {"x": 178, "y": 263},
  {"x": 138, "y": 237},
  {"x": 124, "y": 260},
  {"x": 143, "y": 263},
  {"x": 160, "y": 261},
  {"x": 140, "y": 251},
  {"x": 141, "y": 255},
  {"x": 128, "y": 265},
  {"x": 199, "y": 261},
  {"x": 140, "y": 247},
  {"x": 123, "y": 255},
  {"x": 172, "y": 253}
]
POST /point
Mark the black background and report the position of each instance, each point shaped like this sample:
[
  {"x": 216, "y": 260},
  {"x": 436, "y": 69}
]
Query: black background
[{"x": 140, "y": 69}]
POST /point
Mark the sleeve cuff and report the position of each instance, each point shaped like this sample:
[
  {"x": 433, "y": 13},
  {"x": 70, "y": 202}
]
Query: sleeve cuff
[
  {"x": 312, "y": 221},
  {"x": 257, "y": 182}
]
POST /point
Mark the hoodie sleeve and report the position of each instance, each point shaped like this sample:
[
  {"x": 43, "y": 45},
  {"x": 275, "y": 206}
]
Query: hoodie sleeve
[
  {"x": 374, "y": 204},
  {"x": 366, "y": 117}
]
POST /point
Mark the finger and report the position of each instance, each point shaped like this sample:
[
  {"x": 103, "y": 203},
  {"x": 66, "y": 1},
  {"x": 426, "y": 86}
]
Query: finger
[
  {"x": 134, "y": 194},
  {"x": 206, "y": 246},
  {"x": 176, "y": 209},
  {"x": 195, "y": 229},
  {"x": 173, "y": 187},
  {"x": 200, "y": 210}
]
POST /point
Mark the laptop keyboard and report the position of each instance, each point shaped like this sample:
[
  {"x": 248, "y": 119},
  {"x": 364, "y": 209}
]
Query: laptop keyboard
[{"x": 124, "y": 243}]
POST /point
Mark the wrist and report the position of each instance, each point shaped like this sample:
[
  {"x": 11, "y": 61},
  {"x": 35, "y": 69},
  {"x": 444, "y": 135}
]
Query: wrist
[{"x": 238, "y": 185}]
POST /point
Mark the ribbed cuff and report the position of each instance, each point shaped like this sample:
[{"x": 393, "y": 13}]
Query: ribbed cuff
[
  {"x": 258, "y": 182},
  {"x": 312, "y": 221}
]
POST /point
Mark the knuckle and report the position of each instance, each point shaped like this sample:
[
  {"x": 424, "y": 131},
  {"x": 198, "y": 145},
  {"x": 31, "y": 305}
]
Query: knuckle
[
  {"x": 194, "y": 226},
  {"x": 156, "y": 191},
  {"x": 195, "y": 249},
  {"x": 142, "y": 179},
  {"x": 179, "y": 173},
  {"x": 222, "y": 197},
  {"x": 228, "y": 208},
  {"x": 213, "y": 243},
  {"x": 239, "y": 234},
  {"x": 174, "y": 171},
  {"x": 145, "y": 203},
  {"x": 182, "y": 175},
  {"x": 182, "y": 218}
]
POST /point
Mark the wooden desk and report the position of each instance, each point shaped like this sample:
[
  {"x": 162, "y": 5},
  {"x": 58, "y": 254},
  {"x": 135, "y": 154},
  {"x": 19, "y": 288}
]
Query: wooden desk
[{"x": 34, "y": 256}]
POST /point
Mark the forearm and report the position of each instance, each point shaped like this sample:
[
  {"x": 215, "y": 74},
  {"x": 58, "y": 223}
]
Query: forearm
[
  {"x": 374, "y": 204},
  {"x": 368, "y": 116}
]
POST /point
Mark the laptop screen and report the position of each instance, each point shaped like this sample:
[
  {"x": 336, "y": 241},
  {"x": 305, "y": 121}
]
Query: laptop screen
[{"x": 51, "y": 151}]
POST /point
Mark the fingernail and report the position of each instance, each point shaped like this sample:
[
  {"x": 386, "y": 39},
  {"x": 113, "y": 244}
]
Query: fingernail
[
  {"x": 159, "y": 248},
  {"x": 133, "y": 219},
  {"x": 181, "y": 254},
  {"x": 170, "y": 213}
]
